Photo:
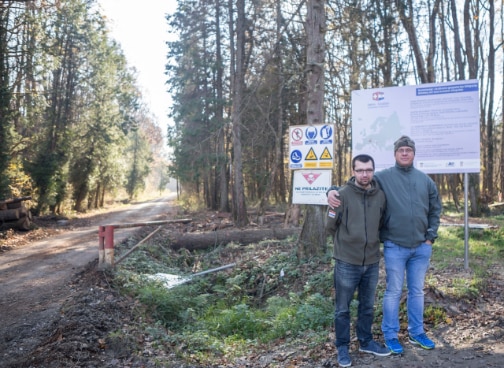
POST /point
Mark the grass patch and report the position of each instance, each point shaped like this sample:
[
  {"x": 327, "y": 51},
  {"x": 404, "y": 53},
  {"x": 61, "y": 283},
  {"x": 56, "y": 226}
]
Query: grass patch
[
  {"x": 485, "y": 249},
  {"x": 435, "y": 315},
  {"x": 269, "y": 295}
]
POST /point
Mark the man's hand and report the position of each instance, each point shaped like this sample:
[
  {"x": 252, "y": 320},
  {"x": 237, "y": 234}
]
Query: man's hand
[{"x": 333, "y": 198}]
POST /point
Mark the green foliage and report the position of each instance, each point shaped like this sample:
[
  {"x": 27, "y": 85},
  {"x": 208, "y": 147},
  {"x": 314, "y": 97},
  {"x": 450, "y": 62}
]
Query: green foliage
[
  {"x": 451, "y": 210},
  {"x": 320, "y": 282},
  {"x": 240, "y": 321},
  {"x": 174, "y": 308},
  {"x": 177, "y": 308},
  {"x": 465, "y": 288},
  {"x": 190, "y": 202},
  {"x": 4, "y": 147},
  {"x": 141, "y": 157},
  {"x": 5, "y": 111},
  {"x": 223, "y": 314},
  {"x": 44, "y": 171},
  {"x": 435, "y": 315},
  {"x": 20, "y": 183},
  {"x": 315, "y": 312},
  {"x": 484, "y": 248},
  {"x": 280, "y": 317},
  {"x": 64, "y": 127}
]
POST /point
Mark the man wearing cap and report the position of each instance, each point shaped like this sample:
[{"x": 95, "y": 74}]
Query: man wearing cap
[{"x": 408, "y": 232}]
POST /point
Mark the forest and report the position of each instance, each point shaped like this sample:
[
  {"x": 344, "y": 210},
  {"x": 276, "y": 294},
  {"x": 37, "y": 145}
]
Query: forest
[
  {"x": 241, "y": 73},
  {"x": 75, "y": 129}
]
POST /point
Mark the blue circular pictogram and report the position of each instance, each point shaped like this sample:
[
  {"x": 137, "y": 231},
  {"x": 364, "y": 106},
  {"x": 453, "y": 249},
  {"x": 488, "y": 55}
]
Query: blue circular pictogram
[
  {"x": 296, "y": 156},
  {"x": 326, "y": 132},
  {"x": 311, "y": 132}
]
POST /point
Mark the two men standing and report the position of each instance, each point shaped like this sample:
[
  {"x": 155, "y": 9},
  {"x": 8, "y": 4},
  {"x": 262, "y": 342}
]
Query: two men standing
[{"x": 409, "y": 228}]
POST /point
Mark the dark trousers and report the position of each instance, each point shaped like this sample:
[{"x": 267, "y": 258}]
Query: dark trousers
[{"x": 347, "y": 279}]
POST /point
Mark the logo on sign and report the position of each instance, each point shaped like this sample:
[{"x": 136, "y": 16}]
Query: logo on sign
[
  {"x": 311, "y": 177},
  {"x": 378, "y": 96}
]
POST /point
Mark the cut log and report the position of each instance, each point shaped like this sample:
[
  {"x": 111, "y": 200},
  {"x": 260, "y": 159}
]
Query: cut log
[
  {"x": 10, "y": 215},
  {"x": 196, "y": 241},
  {"x": 13, "y": 202},
  {"x": 24, "y": 223}
]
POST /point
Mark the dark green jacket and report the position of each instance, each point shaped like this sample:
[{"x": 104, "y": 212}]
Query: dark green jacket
[{"x": 356, "y": 222}]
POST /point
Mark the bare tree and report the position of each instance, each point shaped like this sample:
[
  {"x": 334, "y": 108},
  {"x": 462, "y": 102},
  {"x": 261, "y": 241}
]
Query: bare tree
[
  {"x": 222, "y": 161},
  {"x": 406, "y": 14},
  {"x": 490, "y": 110},
  {"x": 472, "y": 63},
  {"x": 312, "y": 240},
  {"x": 5, "y": 97},
  {"x": 239, "y": 206},
  {"x": 278, "y": 129}
]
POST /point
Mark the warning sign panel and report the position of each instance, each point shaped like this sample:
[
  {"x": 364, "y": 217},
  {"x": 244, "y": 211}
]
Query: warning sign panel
[
  {"x": 326, "y": 155},
  {"x": 311, "y": 156},
  {"x": 311, "y": 146},
  {"x": 310, "y": 186}
]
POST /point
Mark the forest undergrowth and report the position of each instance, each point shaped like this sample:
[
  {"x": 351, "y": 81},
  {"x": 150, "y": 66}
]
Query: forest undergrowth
[{"x": 267, "y": 308}]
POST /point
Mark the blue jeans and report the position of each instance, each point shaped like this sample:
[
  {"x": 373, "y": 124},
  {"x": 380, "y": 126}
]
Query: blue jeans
[
  {"x": 413, "y": 262},
  {"x": 347, "y": 279}
]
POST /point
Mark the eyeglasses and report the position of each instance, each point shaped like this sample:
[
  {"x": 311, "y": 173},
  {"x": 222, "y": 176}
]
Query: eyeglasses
[
  {"x": 405, "y": 150},
  {"x": 362, "y": 171}
]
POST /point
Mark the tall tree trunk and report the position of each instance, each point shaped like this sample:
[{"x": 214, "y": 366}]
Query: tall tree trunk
[
  {"x": 425, "y": 72},
  {"x": 472, "y": 62},
  {"x": 239, "y": 207},
  {"x": 222, "y": 163},
  {"x": 409, "y": 26},
  {"x": 489, "y": 173},
  {"x": 5, "y": 99},
  {"x": 312, "y": 240},
  {"x": 460, "y": 71},
  {"x": 501, "y": 181},
  {"x": 278, "y": 132}
]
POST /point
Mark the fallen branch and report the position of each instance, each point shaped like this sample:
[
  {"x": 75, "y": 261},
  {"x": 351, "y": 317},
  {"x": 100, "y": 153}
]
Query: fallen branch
[
  {"x": 196, "y": 241},
  {"x": 472, "y": 226}
]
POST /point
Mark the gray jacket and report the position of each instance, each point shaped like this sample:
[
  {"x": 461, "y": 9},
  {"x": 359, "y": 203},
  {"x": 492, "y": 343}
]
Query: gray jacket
[{"x": 413, "y": 206}]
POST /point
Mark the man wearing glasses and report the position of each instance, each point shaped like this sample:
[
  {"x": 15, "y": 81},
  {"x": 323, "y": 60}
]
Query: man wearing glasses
[
  {"x": 354, "y": 226},
  {"x": 408, "y": 232}
]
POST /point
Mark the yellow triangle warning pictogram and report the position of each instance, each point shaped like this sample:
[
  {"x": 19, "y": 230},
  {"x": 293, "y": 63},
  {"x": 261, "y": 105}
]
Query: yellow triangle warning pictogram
[
  {"x": 311, "y": 156},
  {"x": 326, "y": 155}
]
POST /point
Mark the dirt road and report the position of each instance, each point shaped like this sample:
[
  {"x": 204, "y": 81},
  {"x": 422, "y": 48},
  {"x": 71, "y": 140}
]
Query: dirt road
[{"x": 35, "y": 279}]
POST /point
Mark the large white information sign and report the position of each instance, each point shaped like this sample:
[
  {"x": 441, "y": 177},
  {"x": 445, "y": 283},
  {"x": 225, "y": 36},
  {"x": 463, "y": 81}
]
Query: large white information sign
[
  {"x": 310, "y": 186},
  {"x": 442, "y": 119}
]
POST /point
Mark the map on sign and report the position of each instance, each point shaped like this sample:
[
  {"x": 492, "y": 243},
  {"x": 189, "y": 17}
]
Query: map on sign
[
  {"x": 378, "y": 134},
  {"x": 442, "y": 119}
]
